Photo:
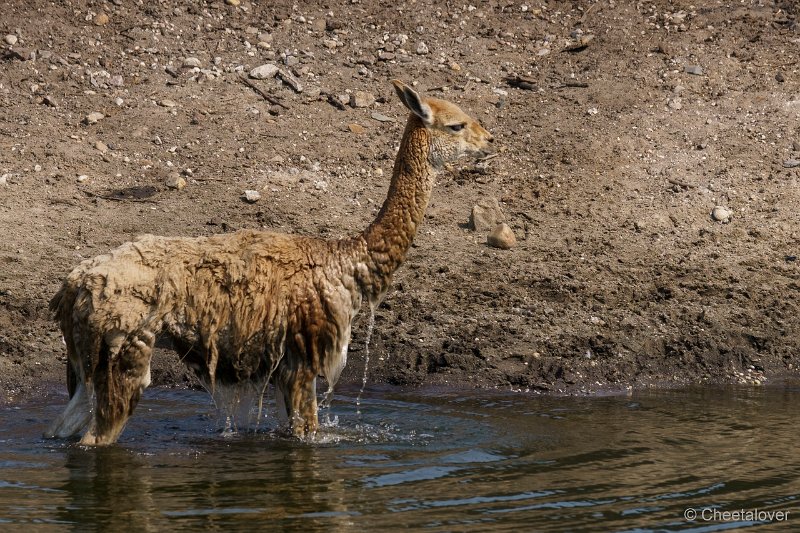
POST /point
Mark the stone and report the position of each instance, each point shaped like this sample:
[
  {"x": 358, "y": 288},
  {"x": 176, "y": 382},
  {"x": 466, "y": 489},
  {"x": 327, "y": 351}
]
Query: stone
[
  {"x": 361, "y": 99},
  {"x": 791, "y": 163},
  {"x": 93, "y": 118},
  {"x": 101, "y": 19},
  {"x": 234, "y": 3},
  {"x": 10, "y": 39},
  {"x": 175, "y": 181},
  {"x": 502, "y": 237},
  {"x": 167, "y": 103},
  {"x": 264, "y": 72},
  {"x": 101, "y": 147},
  {"x": 192, "y": 62},
  {"x": 357, "y": 128},
  {"x": 695, "y": 70},
  {"x": 721, "y": 214},
  {"x": 381, "y": 118},
  {"x": 82, "y": 178},
  {"x": 422, "y": 48},
  {"x": 252, "y": 196},
  {"x": 486, "y": 214}
]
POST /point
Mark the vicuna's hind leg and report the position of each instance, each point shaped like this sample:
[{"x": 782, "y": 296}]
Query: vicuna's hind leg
[
  {"x": 78, "y": 413},
  {"x": 297, "y": 397},
  {"x": 120, "y": 376}
]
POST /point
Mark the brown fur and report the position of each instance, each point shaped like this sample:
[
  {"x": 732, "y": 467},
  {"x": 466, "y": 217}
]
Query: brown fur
[{"x": 241, "y": 306}]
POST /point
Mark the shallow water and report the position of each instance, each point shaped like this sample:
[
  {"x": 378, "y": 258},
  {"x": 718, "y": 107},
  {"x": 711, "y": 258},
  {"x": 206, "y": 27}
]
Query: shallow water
[{"x": 449, "y": 461}]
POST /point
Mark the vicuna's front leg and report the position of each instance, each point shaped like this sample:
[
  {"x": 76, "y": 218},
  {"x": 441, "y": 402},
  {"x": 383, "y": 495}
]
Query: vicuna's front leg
[
  {"x": 297, "y": 389},
  {"x": 120, "y": 376}
]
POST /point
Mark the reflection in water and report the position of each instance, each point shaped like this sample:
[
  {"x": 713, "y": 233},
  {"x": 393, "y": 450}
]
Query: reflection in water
[
  {"x": 446, "y": 462},
  {"x": 110, "y": 485}
]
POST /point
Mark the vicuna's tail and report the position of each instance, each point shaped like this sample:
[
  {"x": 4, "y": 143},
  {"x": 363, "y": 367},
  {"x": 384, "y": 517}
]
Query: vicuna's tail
[{"x": 78, "y": 412}]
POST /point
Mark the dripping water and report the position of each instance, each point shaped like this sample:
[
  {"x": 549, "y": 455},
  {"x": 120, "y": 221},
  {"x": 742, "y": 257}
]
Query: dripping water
[{"x": 370, "y": 327}]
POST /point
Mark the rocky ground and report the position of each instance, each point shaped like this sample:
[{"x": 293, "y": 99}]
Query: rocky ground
[{"x": 648, "y": 168}]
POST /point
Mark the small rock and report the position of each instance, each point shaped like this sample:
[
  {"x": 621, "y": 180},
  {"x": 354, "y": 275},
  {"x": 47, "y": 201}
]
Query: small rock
[
  {"x": 791, "y": 163},
  {"x": 422, "y": 48},
  {"x": 287, "y": 78},
  {"x": 695, "y": 70},
  {"x": 361, "y": 99},
  {"x": 93, "y": 118},
  {"x": 119, "y": 101},
  {"x": 167, "y": 103},
  {"x": 455, "y": 67},
  {"x": 10, "y": 39},
  {"x": 264, "y": 72},
  {"x": 321, "y": 185},
  {"x": 486, "y": 214},
  {"x": 101, "y": 19},
  {"x": 192, "y": 62},
  {"x": 779, "y": 77},
  {"x": 176, "y": 181},
  {"x": 82, "y": 178},
  {"x": 275, "y": 110},
  {"x": 116, "y": 81},
  {"x": 675, "y": 103},
  {"x": 502, "y": 237},
  {"x": 172, "y": 71},
  {"x": 357, "y": 128},
  {"x": 233, "y": 3},
  {"x": 381, "y": 118},
  {"x": 721, "y": 214},
  {"x": 48, "y": 100},
  {"x": 292, "y": 61},
  {"x": 343, "y": 99},
  {"x": 4, "y": 179},
  {"x": 101, "y": 147},
  {"x": 592, "y": 111},
  {"x": 252, "y": 196}
]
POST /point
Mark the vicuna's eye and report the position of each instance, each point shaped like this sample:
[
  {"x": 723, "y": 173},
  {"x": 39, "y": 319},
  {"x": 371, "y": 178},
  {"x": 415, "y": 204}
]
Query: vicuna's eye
[{"x": 456, "y": 127}]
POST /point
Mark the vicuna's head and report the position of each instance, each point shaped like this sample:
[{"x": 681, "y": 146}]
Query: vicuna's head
[{"x": 453, "y": 132}]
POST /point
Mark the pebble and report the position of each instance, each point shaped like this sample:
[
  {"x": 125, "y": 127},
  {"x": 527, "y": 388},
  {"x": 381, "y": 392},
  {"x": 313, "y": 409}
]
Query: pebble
[
  {"x": 721, "y": 214},
  {"x": 362, "y": 99},
  {"x": 321, "y": 185},
  {"x": 101, "y": 147},
  {"x": 422, "y": 48},
  {"x": 696, "y": 70},
  {"x": 252, "y": 196},
  {"x": 791, "y": 163},
  {"x": 93, "y": 118},
  {"x": 502, "y": 237},
  {"x": 4, "y": 179},
  {"x": 167, "y": 103},
  {"x": 264, "y": 72},
  {"x": 82, "y": 178},
  {"x": 357, "y": 128},
  {"x": 192, "y": 62},
  {"x": 486, "y": 214},
  {"x": 675, "y": 103},
  {"x": 119, "y": 101},
  {"x": 10, "y": 39},
  {"x": 381, "y": 118},
  {"x": 176, "y": 181},
  {"x": 233, "y": 3},
  {"x": 101, "y": 19}
]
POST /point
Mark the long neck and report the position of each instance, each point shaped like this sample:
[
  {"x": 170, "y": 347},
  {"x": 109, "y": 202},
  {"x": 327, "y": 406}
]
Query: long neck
[{"x": 389, "y": 237}]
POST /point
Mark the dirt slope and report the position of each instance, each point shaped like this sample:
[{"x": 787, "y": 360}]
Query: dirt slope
[{"x": 634, "y": 121}]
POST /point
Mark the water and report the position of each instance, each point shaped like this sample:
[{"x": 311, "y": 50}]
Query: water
[{"x": 437, "y": 460}]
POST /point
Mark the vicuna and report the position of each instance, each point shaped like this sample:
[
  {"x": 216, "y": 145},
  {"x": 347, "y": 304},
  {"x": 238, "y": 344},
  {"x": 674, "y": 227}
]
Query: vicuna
[{"x": 249, "y": 305}]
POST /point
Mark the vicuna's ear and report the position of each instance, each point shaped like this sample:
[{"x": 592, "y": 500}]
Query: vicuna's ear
[{"x": 413, "y": 101}]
